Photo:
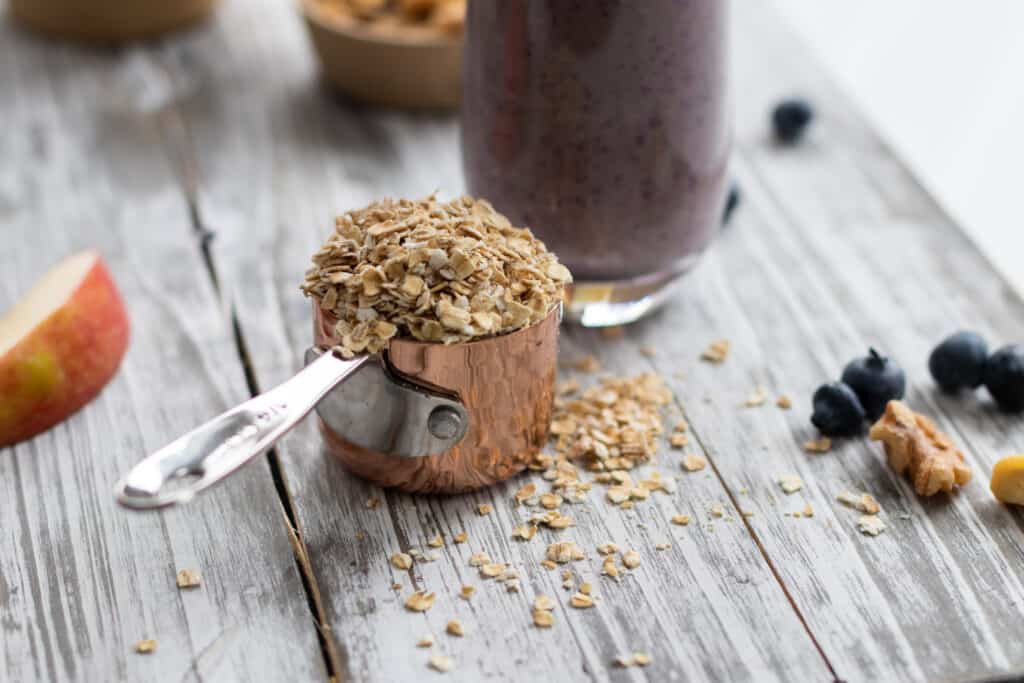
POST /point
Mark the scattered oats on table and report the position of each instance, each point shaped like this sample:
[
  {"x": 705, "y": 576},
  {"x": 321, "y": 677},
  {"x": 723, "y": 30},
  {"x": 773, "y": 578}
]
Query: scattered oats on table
[
  {"x": 790, "y": 483},
  {"x": 434, "y": 271},
  {"x": 188, "y": 578},
  {"x": 401, "y": 561},
  {"x": 145, "y": 647},
  {"x": 717, "y": 352}
]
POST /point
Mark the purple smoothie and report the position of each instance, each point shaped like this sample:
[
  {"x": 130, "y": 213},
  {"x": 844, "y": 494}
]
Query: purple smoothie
[{"x": 604, "y": 125}]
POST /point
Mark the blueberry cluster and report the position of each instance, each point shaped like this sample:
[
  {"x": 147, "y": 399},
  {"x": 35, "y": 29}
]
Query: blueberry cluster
[
  {"x": 962, "y": 361},
  {"x": 867, "y": 385}
]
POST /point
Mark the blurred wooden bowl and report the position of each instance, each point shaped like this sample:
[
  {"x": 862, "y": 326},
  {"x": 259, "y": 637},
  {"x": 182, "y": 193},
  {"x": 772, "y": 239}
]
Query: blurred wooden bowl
[
  {"x": 109, "y": 21},
  {"x": 399, "y": 66}
]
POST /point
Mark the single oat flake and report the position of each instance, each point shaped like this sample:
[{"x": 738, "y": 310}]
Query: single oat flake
[
  {"x": 870, "y": 525},
  {"x": 145, "y": 647},
  {"x": 436, "y": 541},
  {"x": 466, "y": 592},
  {"x": 822, "y": 445},
  {"x": 717, "y": 352},
  {"x": 694, "y": 463},
  {"x": 188, "y": 578},
  {"x": 420, "y": 601},
  {"x": 434, "y": 271},
  {"x": 681, "y": 520},
  {"x": 442, "y": 663},
  {"x": 581, "y": 601},
  {"x": 784, "y": 402},
  {"x": 461, "y": 537},
  {"x": 543, "y": 618},
  {"x": 489, "y": 571},
  {"x": 484, "y": 509},
  {"x": 631, "y": 559},
  {"x": 425, "y": 641},
  {"x": 790, "y": 483},
  {"x": 401, "y": 561},
  {"x": 543, "y": 602},
  {"x": 864, "y": 502},
  {"x": 454, "y": 628}
]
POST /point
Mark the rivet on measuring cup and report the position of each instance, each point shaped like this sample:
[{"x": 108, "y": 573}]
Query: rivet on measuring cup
[{"x": 444, "y": 422}]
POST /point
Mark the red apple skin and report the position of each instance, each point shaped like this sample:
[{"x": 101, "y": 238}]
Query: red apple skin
[{"x": 65, "y": 361}]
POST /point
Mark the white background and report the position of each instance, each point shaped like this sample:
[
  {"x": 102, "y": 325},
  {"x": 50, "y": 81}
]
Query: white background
[{"x": 943, "y": 81}]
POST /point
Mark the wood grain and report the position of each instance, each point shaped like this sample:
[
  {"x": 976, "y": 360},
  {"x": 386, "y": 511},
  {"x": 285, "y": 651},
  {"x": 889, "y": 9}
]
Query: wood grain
[{"x": 82, "y": 580}]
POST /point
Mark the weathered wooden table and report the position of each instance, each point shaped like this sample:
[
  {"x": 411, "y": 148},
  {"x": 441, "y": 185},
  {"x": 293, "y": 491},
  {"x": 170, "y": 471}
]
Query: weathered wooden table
[{"x": 208, "y": 167}]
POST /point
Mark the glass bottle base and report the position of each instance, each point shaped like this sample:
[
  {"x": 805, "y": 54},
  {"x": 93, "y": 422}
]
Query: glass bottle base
[{"x": 620, "y": 302}]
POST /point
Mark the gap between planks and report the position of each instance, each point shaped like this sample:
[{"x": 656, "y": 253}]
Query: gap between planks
[{"x": 178, "y": 145}]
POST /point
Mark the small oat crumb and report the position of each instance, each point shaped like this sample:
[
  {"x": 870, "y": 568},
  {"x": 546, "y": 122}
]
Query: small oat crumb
[
  {"x": 563, "y": 552},
  {"x": 466, "y": 592},
  {"x": 586, "y": 588},
  {"x": 484, "y": 508},
  {"x": 631, "y": 559},
  {"x": 543, "y": 618},
  {"x": 716, "y": 510},
  {"x": 524, "y": 532},
  {"x": 757, "y": 398},
  {"x": 581, "y": 601},
  {"x": 461, "y": 537},
  {"x": 662, "y": 546},
  {"x": 188, "y": 578},
  {"x": 784, "y": 402},
  {"x": 694, "y": 463},
  {"x": 527, "y": 491},
  {"x": 681, "y": 520},
  {"x": 454, "y": 628},
  {"x": 436, "y": 541},
  {"x": 822, "y": 445},
  {"x": 396, "y": 586},
  {"x": 808, "y": 510},
  {"x": 641, "y": 658},
  {"x": 426, "y": 641},
  {"x": 681, "y": 426},
  {"x": 548, "y": 564},
  {"x": 442, "y": 663},
  {"x": 372, "y": 502},
  {"x": 870, "y": 525},
  {"x": 401, "y": 561},
  {"x": 678, "y": 440},
  {"x": 420, "y": 601},
  {"x": 790, "y": 483},
  {"x": 144, "y": 647},
  {"x": 550, "y": 501},
  {"x": 864, "y": 502},
  {"x": 608, "y": 567},
  {"x": 717, "y": 352}
]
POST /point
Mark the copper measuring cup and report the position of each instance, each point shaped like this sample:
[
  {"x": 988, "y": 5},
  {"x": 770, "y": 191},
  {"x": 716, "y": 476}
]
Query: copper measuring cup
[{"x": 421, "y": 417}]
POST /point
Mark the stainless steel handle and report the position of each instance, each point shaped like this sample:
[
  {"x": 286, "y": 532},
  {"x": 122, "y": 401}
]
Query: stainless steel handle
[{"x": 207, "y": 454}]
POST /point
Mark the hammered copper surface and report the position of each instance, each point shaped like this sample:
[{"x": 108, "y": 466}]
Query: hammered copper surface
[{"x": 506, "y": 384}]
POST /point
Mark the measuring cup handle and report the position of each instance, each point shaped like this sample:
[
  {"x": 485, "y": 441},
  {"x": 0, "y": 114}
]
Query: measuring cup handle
[{"x": 207, "y": 454}]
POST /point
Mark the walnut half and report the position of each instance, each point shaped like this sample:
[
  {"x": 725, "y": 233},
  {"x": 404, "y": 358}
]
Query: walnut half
[{"x": 912, "y": 442}]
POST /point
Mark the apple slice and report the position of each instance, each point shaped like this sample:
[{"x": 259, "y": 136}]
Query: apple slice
[{"x": 59, "y": 346}]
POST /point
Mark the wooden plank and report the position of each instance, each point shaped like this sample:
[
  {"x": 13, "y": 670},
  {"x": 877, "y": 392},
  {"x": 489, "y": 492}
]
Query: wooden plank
[
  {"x": 82, "y": 580},
  {"x": 708, "y": 609}
]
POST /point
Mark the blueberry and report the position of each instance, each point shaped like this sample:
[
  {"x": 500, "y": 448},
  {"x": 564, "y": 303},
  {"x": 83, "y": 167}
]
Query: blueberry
[
  {"x": 837, "y": 410},
  {"x": 876, "y": 380},
  {"x": 1004, "y": 377},
  {"x": 959, "y": 361},
  {"x": 731, "y": 202},
  {"x": 790, "y": 119}
]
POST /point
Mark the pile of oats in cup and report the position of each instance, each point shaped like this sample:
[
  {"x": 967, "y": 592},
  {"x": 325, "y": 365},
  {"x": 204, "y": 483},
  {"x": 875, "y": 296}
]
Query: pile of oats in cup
[{"x": 434, "y": 271}]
